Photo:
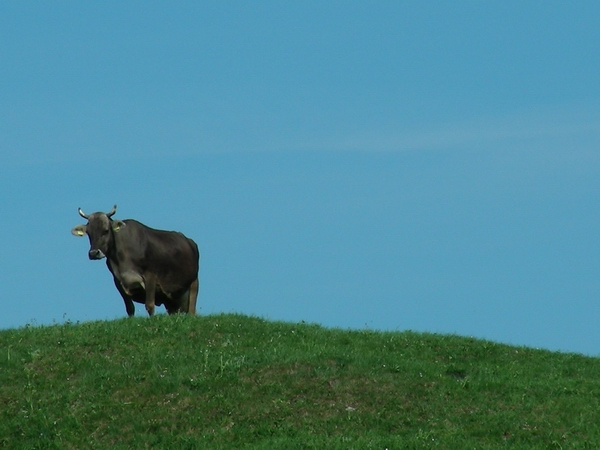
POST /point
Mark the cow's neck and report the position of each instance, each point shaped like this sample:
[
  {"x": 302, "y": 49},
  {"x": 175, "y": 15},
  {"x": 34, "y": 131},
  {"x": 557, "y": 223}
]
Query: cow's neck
[{"x": 111, "y": 254}]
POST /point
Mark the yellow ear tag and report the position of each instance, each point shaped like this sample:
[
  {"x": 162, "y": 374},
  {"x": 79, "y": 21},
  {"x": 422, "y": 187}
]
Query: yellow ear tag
[
  {"x": 79, "y": 230},
  {"x": 118, "y": 225}
]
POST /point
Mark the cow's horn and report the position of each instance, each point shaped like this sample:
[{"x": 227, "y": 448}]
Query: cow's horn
[
  {"x": 82, "y": 214},
  {"x": 112, "y": 211}
]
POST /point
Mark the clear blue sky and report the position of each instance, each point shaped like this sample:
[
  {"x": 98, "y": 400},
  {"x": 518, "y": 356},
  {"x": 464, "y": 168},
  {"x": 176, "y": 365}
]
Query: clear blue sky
[{"x": 432, "y": 166}]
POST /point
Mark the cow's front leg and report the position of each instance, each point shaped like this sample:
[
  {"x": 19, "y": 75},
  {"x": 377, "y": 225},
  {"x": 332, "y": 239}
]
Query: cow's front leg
[
  {"x": 150, "y": 292},
  {"x": 129, "y": 307},
  {"x": 126, "y": 298}
]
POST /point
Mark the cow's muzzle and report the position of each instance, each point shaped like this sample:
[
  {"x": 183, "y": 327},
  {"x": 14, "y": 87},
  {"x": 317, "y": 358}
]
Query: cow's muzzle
[{"x": 95, "y": 254}]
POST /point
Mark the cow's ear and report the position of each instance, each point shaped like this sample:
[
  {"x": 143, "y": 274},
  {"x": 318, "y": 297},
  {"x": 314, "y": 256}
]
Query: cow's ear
[
  {"x": 79, "y": 230},
  {"x": 118, "y": 225}
]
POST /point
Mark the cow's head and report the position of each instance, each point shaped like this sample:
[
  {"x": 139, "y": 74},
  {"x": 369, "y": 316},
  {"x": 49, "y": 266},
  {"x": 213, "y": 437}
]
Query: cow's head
[{"x": 100, "y": 229}]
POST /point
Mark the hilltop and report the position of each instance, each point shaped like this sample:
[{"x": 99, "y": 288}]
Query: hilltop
[{"x": 232, "y": 381}]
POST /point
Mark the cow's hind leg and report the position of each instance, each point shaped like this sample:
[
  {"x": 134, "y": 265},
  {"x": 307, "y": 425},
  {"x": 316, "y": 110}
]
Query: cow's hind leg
[
  {"x": 173, "y": 309},
  {"x": 186, "y": 303},
  {"x": 192, "y": 297}
]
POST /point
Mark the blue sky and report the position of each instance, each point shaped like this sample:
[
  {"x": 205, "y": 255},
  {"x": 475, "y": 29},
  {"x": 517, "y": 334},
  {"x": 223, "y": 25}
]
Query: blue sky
[{"x": 390, "y": 165}]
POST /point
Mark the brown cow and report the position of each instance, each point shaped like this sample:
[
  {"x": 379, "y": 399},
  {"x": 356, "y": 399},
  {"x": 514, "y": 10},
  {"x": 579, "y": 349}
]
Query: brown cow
[{"x": 149, "y": 266}]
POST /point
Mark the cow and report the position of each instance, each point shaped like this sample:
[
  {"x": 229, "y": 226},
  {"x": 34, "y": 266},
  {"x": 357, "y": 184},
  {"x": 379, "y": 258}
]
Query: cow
[{"x": 149, "y": 266}]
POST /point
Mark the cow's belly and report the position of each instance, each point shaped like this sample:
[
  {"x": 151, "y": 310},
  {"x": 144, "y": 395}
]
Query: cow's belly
[{"x": 134, "y": 285}]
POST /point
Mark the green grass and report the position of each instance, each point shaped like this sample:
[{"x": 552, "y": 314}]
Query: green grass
[{"x": 233, "y": 381}]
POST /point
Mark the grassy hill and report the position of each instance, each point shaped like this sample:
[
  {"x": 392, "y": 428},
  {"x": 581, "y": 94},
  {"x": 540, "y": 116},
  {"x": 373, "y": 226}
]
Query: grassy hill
[{"x": 232, "y": 381}]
